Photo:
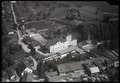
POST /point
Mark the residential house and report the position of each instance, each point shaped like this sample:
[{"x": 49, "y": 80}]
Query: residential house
[
  {"x": 100, "y": 63},
  {"x": 21, "y": 68},
  {"x": 12, "y": 74},
  {"x": 91, "y": 69}
]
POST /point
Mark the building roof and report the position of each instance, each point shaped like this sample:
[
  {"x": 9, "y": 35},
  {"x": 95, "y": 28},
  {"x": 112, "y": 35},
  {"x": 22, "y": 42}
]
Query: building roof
[
  {"x": 62, "y": 38},
  {"x": 77, "y": 74},
  {"x": 97, "y": 64},
  {"x": 70, "y": 49},
  {"x": 94, "y": 70},
  {"x": 98, "y": 59},
  {"x": 55, "y": 78},
  {"x": 51, "y": 73},
  {"x": 112, "y": 55},
  {"x": 89, "y": 47},
  {"x": 67, "y": 67},
  {"x": 51, "y": 42}
]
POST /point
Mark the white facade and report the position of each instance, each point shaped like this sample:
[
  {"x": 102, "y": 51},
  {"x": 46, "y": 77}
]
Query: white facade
[
  {"x": 94, "y": 70},
  {"x": 63, "y": 45},
  {"x": 27, "y": 70}
]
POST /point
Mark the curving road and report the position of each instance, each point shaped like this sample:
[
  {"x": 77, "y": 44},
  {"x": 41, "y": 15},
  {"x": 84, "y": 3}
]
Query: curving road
[{"x": 18, "y": 32}]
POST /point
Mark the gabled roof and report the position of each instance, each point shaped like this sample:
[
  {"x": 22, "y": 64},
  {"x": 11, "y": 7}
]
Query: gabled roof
[
  {"x": 56, "y": 78},
  {"x": 94, "y": 70},
  {"x": 71, "y": 48},
  {"x": 67, "y": 67}
]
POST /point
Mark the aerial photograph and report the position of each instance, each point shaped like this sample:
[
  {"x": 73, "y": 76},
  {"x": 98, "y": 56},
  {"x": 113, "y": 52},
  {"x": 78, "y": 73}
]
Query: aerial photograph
[{"x": 60, "y": 41}]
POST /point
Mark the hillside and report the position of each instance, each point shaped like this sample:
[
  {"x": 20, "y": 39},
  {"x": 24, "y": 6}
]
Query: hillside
[{"x": 34, "y": 10}]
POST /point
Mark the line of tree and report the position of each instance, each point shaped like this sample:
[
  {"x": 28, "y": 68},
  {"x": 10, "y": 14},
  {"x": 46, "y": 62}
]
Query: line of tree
[{"x": 100, "y": 32}]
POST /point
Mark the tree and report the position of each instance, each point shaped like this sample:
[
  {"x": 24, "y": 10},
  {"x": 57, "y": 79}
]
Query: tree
[
  {"x": 37, "y": 4},
  {"x": 40, "y": 69},
  {"x": 101, "y": 48},
  {"x": 106, "y": 45},
  {"x": 106, "y": 18},
  {"x": 9, "y": 61},
  {"x": 4, "y": 64},
  {"x": 38, "y": 18},
  {"x": 69, "y": 56},
  {"x": 114, "y": 44}
]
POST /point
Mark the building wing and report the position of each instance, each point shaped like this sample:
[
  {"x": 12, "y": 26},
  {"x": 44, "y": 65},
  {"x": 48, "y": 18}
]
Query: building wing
[{"x": 67, "y": 67}]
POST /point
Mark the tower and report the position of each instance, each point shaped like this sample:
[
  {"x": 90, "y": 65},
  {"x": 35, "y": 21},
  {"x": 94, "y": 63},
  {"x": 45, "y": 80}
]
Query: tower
[{"x": 69, "y": 37}]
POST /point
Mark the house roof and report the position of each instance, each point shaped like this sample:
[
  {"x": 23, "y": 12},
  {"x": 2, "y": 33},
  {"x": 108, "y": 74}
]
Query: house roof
[
  {"x": 94, "y": 70},
  {"x": 97, "y": 64},
  {"x": 98, "y": 59},
  {"x": 111, "y": 55},
  {"x": 67, "y": 67}
]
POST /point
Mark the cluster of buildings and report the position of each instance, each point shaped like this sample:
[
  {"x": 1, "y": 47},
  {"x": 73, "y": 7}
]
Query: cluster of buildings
[
  {"x": 70, "y": 71},
  {"x": 60, "y": 47},
  {"x": 16, "y": 72}
]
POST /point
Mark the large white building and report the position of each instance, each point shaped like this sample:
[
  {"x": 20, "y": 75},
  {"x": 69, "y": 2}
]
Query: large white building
[{"x": 57, "y": 44}]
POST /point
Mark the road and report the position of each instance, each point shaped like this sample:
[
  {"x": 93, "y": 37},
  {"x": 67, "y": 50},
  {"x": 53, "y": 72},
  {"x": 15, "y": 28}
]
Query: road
[
  {"x": 41, "y": 53},
  {"x": 18, "y": 32}
]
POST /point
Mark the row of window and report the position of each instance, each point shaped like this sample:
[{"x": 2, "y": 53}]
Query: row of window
[
  {"x": 61, "y": 46},
  {"x": 55, "y": 49}
]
